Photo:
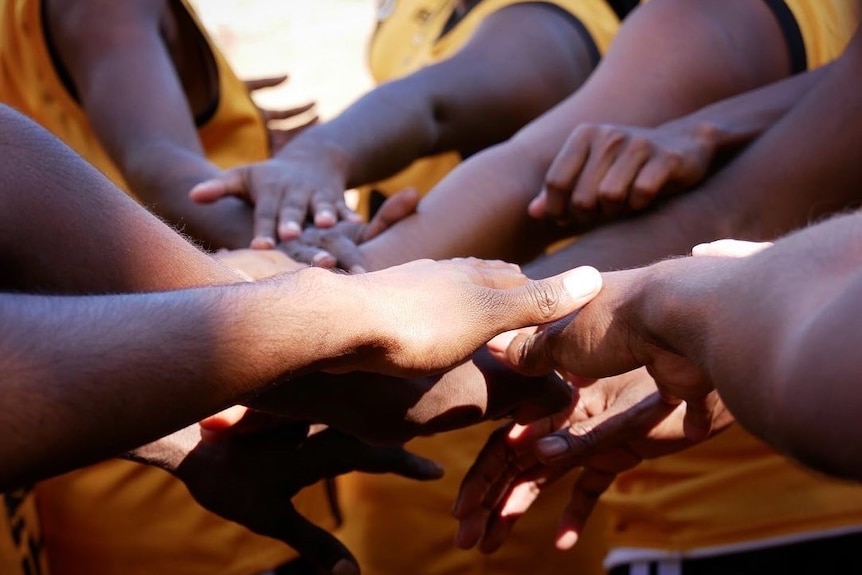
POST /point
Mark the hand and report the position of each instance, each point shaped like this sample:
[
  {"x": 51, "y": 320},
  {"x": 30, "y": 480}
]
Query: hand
[
  {"x": 611, "y": 336},
  {"x": 284, "y": 190},
  {"x": 603, "y": 171},
  {"x": 425, "y": 316},
  {"x": 388, "y": 410},
  {"x": 250, "y": 478},
  {"x": 338, "y": 246},
  {"x": 610, "y": 427},
  {"x": 257, "y": 264},
  {"x": 279, "y": 136}
]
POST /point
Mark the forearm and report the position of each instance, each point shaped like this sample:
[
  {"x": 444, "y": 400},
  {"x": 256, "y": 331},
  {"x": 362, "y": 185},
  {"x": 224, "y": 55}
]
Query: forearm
[
  {"x": 162, "y": 173},
  {"x": 168, "y": 452},
  {"x": 734, "y": 122},
  {"x": 374, "y": 138},
  {"x": 80, "y": 233},
  {"x": 780, "y": 183},
  {"x": 214, "y": 347},
  {"x": 479, "y": 209},
  {"x": 776, "y": 334}
]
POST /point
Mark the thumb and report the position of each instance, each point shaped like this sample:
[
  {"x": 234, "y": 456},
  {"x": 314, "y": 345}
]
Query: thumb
[
  {"x": 542, "y": 301},
  {"x": 230, "y": 183},
  {"x": 393, "y": 210}
]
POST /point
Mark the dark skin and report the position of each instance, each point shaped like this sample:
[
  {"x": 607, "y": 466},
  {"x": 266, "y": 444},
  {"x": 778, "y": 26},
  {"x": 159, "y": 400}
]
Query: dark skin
[
  {"x": 278, "y": 459},
  {"x": 781, "y": 182},
  {"x": 718, "y": 49},
  {"x": 139, "y": 48},
  {"x": 464, "y": 103},
  {"x": 114, "y": 246}
]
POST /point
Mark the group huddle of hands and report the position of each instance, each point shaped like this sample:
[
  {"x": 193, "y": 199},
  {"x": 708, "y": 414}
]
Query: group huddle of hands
[{"x": 589, "y": 391}]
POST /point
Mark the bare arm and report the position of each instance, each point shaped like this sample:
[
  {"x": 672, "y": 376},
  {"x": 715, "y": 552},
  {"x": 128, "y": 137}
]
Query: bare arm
[
  {"x": 481, "y": 207},
  {"x": 774, "y": 333},
  {"x": 192, "y": 352},
  {"x": 521, "y": 60},
  {"x": 803, "y": 168},
  {"x": 117, "y": 56}
]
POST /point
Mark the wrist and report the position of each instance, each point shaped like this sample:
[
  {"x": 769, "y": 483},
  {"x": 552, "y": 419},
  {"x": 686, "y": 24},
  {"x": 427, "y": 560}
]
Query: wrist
[
  {"x": 314, "y": 147},
  {"x": 169, "y": 452}
]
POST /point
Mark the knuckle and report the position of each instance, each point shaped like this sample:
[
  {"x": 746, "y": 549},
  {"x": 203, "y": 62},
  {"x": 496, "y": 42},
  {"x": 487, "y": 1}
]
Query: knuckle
[{"x": 545, "y": 297}]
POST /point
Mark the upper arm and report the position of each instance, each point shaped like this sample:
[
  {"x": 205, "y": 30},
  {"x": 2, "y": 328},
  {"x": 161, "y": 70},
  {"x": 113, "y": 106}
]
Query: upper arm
[
  {"x": 123, "y": 73},
  {"x": 522, "y": 60}
]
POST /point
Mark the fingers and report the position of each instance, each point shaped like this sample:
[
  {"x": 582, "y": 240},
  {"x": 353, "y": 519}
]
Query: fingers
[
  {"x": 562, "y": 177},
  {"x": 543, "y": 301},
  {"x": 615, "y": 187},
  {"x": 654, "y": 175},
  {"x": 588, "y": 487},
  {"x": 346, "y": 253},
  {"x": 517, "y": 502},
  {"x": 229, "y": 183},
  {"x": 400, "y": 462},
  {"x": 393, "y": 210},
  {"x": 287, "y": 113},
  {"x": 477, "y": 487},
  {"x": 309, "y": 254},
  {"x": 291, "y": 209},
  {"x": 267, "y": 82},
  {"x": 697, "y": 424},
  {"x": 335, "y": 453}
]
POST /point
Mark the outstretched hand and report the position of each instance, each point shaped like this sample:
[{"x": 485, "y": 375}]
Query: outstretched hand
[
  {"x": 250, "y": 477},
  {"x": 426, "y": 316},
  {"x": 338, "y": 246},
  {"x": 609, "y": 428},
  {"x": 305, "y": 178}
]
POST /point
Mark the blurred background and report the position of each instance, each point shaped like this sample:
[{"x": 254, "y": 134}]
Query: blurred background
[{"x": 321, "y": 44}]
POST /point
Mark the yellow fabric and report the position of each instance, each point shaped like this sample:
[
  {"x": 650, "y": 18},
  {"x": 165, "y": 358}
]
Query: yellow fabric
[
  {"x": 396, "y": 526},
  {"x": 20, "y": 537},
  {"x": 729, "y": 490},
  {"x": 826, "y": 26},
  {"x": 29, "y": 82},
  {"x": 735, "y": 489},
  {"x": 408, "y": 39},
  {"x": 119, "y": 517}
]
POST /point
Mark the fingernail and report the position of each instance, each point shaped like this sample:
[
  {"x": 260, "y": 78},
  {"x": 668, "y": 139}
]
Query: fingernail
[
  {"x": 262, "y": 243},
  {"x": 289, "y": 230},
  {"x": 552, "y": 447},
  {"x": 502, "y": 341},
  {"x": 345, "y": 567},
  {"x": 699, "y": 249},
  {"x": 583, "y": 282},
  {"x": 323, "y": 260},
  {"x": 324, "y": 218}
]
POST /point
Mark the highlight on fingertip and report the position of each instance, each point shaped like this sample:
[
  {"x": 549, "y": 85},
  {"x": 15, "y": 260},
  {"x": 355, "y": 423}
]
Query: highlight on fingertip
[
  {"x": 566, "y": 539},
  {"x": 500, "y": 343},
  {"x": 289, "y": 230},
  {"x": 583, "y": 282},
  {"x": 262, "y": 243}
]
